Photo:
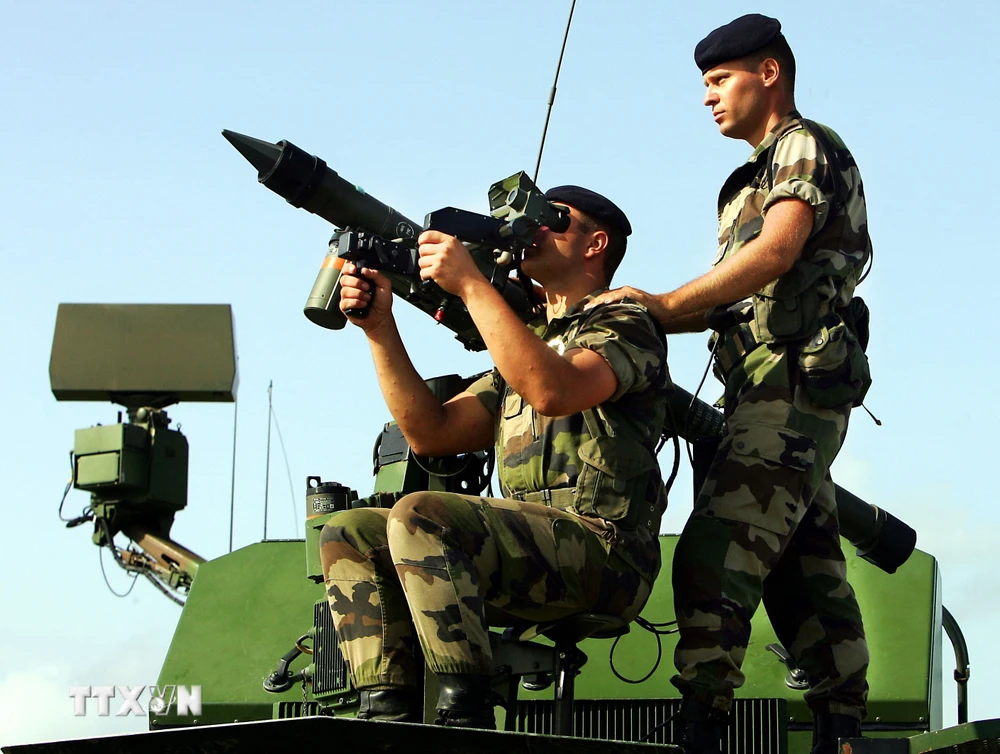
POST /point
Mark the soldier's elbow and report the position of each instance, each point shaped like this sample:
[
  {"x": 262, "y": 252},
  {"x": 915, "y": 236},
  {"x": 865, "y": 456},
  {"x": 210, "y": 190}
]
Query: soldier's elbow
[{"x": 547, "y": 403}]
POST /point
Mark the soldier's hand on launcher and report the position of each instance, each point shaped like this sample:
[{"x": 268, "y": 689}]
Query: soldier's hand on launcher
[
  {"x": 446, "y": 261},
  {"x": 356, "y": 294}
]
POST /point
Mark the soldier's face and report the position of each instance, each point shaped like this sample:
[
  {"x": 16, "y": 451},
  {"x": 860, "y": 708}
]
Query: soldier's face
[
  {"x": 554, "y": 254},
  {"x": 735, "y": 92}
]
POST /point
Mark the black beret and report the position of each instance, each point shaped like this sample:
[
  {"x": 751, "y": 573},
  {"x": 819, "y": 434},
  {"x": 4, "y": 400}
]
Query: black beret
[
  {"x": 736, "y": 39},
  {"x": 593, "y": 204}
]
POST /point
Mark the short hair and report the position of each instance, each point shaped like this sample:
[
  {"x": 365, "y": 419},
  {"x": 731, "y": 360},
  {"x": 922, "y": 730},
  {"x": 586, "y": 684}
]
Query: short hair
[
  {"x": 780, "y": 51},
  {"x": 614, "y": 252}
]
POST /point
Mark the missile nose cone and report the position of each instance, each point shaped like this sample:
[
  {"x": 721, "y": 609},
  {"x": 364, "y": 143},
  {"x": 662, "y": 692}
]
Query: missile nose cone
[{"x": 261, "y": 154}]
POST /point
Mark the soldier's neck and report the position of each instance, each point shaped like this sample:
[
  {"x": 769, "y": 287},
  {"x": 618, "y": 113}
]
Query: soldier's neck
[
  {"x": 777, "y": 114},
  {"x": 561, "y": 295}
]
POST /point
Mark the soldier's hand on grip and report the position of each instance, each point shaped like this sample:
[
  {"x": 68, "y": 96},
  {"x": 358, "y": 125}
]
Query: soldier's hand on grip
[{"x": 365, "y": 296}]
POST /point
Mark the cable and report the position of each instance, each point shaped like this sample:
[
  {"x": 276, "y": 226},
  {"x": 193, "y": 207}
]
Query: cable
[
  {"x": 164, "y": 589},
  {"x": 868, "y": 267},
  {"x": 664, "y": 724},
  {"x": 676, "y": 465},
  {"x": 694, "y": 398},
  {"x": 86, "y": 514},
  {"x": 136, "y": 571},
  {"x": 69, "y": 486},
  {"x": 654, "y": 628},
  {"x": 100, "y": 559},
  {"x": 620, "y": 677},
  {"x": 658, "y": 630},
  {"x": 467, "y": 458}
]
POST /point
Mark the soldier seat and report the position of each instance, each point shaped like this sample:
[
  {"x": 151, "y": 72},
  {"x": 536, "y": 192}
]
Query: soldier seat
[{"x": 519, "y": 659}]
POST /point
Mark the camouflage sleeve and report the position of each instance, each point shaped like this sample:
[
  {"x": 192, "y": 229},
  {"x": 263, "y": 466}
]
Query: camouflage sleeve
[
  {"x": 486, "y": 389},
  {"x": 625, "y": 336},
  {"x": 801, "y": 172}
]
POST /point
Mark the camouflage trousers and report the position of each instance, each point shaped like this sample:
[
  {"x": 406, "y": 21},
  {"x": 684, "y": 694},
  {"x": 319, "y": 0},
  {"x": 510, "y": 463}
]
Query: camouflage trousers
[
  {"x": 764, "y": 527},
  {"x": 437, "y": 563}
]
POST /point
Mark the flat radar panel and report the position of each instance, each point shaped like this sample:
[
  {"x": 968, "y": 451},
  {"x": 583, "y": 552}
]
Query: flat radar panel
[{"x": 144, "y": 354}]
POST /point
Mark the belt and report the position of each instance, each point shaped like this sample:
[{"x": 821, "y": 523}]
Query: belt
[
  {"x": 563, "y": 498},
  {"x": 731, "y": 347}
]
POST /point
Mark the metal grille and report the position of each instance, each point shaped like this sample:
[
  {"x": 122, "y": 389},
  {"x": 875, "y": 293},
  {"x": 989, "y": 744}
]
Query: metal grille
[
  {"x": 331, "y": 670},
  {"x": 757, "y": 726},
  {"x": 979, "y": 746},
  {"x": 286, "y": 710}
]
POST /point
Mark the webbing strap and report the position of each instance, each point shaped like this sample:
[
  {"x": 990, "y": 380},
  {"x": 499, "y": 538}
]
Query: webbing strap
[
  {"x": 733, "y": 347},
  {"x": 563, "y": 498}
]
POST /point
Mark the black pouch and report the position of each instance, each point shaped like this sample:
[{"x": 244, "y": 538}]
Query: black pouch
[
  {"x": 858, "y": 318},
  {"x": 833, "y": 366}
]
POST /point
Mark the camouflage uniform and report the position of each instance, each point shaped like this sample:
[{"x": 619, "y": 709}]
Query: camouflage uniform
[
  {"x": 764, "y": 526},
  {"x": 439, "y": 562}
]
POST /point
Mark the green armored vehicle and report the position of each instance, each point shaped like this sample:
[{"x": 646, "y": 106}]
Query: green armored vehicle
[{"x": 254, "y": 662}]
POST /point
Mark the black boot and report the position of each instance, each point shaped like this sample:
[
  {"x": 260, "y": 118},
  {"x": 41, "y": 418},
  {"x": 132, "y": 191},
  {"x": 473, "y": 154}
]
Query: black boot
[
  {"x": 700, "y": 727},
  {"x": 403, "y": 705},
  {"x": 466, "y": 701},
  {"x": 829, "y": 728}
]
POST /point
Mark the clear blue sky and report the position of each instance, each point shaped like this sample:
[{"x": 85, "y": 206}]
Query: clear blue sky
[{"x": 117, "y": 187}]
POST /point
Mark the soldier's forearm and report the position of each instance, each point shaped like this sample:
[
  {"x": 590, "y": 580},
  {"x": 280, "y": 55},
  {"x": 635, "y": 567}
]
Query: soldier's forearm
[
  {"x": 693, "y": 322},
  {"x": 732, "y": 280},
  {"x": 413, "y": 406},
  {"x": 762, "y": 261},
  {"x": 536, "y": 372}
]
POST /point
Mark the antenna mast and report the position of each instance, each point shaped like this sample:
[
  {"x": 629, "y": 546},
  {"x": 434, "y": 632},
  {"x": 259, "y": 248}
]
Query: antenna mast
[{"x": 552, "y": 92}]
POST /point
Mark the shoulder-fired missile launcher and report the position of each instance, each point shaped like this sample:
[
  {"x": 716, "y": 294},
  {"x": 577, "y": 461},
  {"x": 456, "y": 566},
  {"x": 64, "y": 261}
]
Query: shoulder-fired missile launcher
[{"x": 255, "y": 635}]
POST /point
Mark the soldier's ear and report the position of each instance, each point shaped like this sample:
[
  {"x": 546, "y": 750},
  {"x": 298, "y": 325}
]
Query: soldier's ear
[
  {"x": 770, "y": 71},
  {"x": 598, "y": 243}
]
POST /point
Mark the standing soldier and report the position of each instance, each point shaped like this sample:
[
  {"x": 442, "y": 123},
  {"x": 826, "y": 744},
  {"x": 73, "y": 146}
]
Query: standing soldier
[
  {"x": 793, "y": 242},
  {"x": 575, "y": 407}
]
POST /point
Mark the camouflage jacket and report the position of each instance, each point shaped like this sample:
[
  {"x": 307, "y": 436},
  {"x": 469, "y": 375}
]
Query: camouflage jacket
[
  {"x": 603, "y": 458},
  {"x": 802, "y": 167}
]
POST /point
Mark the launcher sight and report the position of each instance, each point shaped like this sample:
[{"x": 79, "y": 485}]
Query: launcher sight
[{"x": 524, "y": 209}]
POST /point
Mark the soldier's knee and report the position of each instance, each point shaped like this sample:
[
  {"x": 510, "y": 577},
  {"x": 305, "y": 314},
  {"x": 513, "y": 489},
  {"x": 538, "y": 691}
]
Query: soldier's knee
[
  {"x": 362, "y": 529},
  {"x": 413, "y": 501},
  {"x": 429, "y": 510},
  {"x": 415, "y": 505}
]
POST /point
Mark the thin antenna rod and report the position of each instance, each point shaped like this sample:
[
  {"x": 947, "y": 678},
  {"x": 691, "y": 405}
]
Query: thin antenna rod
[
  {"x": 267, "y": 464},
  {"x": 552, "y": 93},
  {"x": 288, "y": 470},
  {"x": 232, "y": 484}
]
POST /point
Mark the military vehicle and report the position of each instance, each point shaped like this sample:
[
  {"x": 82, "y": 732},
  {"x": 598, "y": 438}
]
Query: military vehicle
[{"x": 254, "y": 661}]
